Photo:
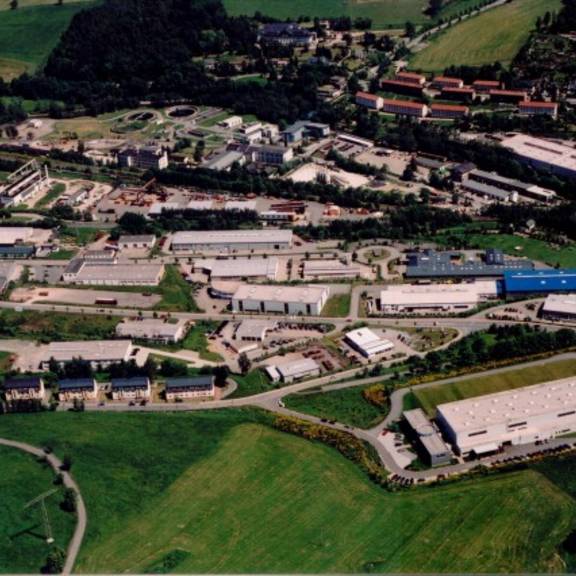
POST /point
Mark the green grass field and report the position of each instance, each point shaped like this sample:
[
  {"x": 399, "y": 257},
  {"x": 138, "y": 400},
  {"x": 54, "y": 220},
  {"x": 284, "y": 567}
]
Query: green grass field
[
  {"x": 22, "y": 545},
  {"x": 383, "y": 12},
  {"x": 254, "y": 382},
  {"x": 347, "y": 406},
  {"x": 431, "y": 397},
  {"x": 176, "y": 293},
  {"x": 496, "y": 35},
  {"x": 28, "y": 34},
  {"x": 529, "y": 247},
  {"x": 337, "y": 306},
  {"x": 214, "y": 492}
]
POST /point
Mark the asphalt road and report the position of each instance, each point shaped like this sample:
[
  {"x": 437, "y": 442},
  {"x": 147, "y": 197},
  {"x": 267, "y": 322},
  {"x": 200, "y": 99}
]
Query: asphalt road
[{"x": 69, "y": 482}]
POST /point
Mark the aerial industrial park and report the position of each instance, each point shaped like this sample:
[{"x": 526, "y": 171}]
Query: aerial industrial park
[{"x": 288, "y": 293}]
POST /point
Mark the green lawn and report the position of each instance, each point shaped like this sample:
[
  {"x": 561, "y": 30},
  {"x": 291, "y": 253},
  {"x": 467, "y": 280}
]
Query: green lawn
[
  {"x": 347, "y": 406},
  {"x": 383, "y": 12},
  {"x": 80, "y": 235},
  {"x": 196, "y": 341},
  {"x": 338, "y": 306},
  {"x": 496, "y": 35},
  {"x": 529, "y": 247},
  {"x": 22, "y": 545},
  {"x": 214, "y": 492},
  {"x": 28, "y": 35},
  {"x": 176, "y": 293},
  {"x": 49, "y": 326},
  {"x": 431, "y": 397},
  {"x": 252, "y": 383},
  {"x": 54, "y": 192}
]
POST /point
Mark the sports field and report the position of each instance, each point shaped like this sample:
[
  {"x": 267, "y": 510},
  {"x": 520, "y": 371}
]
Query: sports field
[
  {"x": 215, "y": 492},
  {"x": 383, "y": 12},
  {"x": 28, "y": 34},
  {"x": 22, "y": 545},
  {"x": 431, "y": 397},
  {"x": 495, "y": 35}
]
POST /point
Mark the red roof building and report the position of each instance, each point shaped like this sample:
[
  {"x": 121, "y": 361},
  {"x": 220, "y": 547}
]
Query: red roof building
[
  {"x": 411, "y": 78},
  {"x": 405, "y": 108},
  {"x": 449, "y": 111},
  {"x": 447, "y": 82},
  {"x": 486, "y": 85},
  {"x": 538, "y": 108},
  {"x": 368, "y": 100}
]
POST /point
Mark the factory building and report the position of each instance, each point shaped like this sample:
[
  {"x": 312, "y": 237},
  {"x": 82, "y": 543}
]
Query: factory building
[
  {"x": 294, "y": 370},
  {"x": 559, "y": 307},
  {"x": 319, "y": 269},
  {"x": 254, "y": 268},
  {"x": 152, "y": 330},
  {"x": 486, "y": 424},
  {"x": 24, "y": 183},
  {"x": 293, "y": 300},
  {"x": 367, "y": 343},
  {"x": 436, "y": 451},
  {"x": 100, "y": 353},
  {"x": 489, "y": 192},
  {"x": 231, "y": 240},
  {"x": 432, "y": 264},
  {"x": 555, "y": 156},
  {"x": 510, "y": 185},
  {"x": 85, "y": 273},
  {"x": 139, "y": 242},
  {"x": 540, "y": 281},
  {"x": 435, "y": 298},
  {"x": 199, "y": 387}
]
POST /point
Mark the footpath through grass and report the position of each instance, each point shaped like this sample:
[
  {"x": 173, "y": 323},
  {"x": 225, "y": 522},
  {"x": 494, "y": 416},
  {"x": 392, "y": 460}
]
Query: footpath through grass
[
  {"x": 220, "y": 492},
  {"x": 23, "y": 548},
  {"x": 429, "y": 398},
  {"x": 348, "y": 406},
  {"x": 495, "y": 35}
]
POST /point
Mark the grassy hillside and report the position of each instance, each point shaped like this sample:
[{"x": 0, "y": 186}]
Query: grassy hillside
[
  {"x": 383, "y": 12},
  {"x": 431, "y": 397},
  {"x": 214, "y": 492},
  {"x": 22, "y": 545},
  {"x": 28, "y": 34},
  {"x": 496, "y": 35}
]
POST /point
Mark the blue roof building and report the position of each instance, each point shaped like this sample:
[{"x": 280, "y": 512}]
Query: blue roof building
[{"x": 540, "y": 281}]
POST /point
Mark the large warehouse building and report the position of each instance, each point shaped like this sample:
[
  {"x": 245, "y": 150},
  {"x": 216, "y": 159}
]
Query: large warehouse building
[
  {"x": 540, "y": 281},
  {"x": 406, "y": 298},
  {"x": 487, "y": 423},
  {"x": 265, "y": 268},
  {"x": 554, "y": 156},
  {"x": 231, "y": 240},
  {"x": 559, "y": 307},
  {"x": 305, "y": 300}
]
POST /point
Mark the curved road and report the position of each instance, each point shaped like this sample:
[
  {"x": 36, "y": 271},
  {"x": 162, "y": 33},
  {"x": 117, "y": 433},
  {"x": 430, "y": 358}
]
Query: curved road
[{"x": 69, "y": 482}]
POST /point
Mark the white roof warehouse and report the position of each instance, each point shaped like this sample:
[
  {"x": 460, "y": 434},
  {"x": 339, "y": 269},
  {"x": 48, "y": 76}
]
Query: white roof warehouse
[
  {"x": 97, "y": 352},
  {"x": 114, "y": 275},
  {"x": 308, "y": 300},
  {"x": 520, "y": 416},
  {"x": 231, "y": 240}
]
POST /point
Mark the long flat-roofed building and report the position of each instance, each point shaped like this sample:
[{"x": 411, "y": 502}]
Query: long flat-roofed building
[
  {"x": 531, "y": 108},
  {"x": 368, "y": 343},
  {"x": 405, "y": 108},
  {"x": 540, "y": 281},
  {"x": 11, "y": 235},
  {"x": 231, "y": 240},
  {"x": 152, "y": 330},
  {"x": 298, "y": 370},
  {"x": 368, "y": 100},
  {"x": 447, "y": 82},
  {"x": 448, "y": 111},
  {"x": 228, "y": 269},
  {"x": 97, "y": 352},
  {"x": 559, "y": 307},
  {"x": 299, "y": 300},
  {"x": 330, "y": 269},
  {"x": 407, "y": 298},
  {"x": 489, "y": 192},
  {"x": 400, "y": 87},
  {"x": 559, "y": 157},
  {"x": 115, "y": 275},
  {"x": 411, "y": 78},
  {"x": 487, "y": 423}
]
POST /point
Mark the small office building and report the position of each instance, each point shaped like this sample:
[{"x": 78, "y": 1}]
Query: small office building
[{"x": 436, "y": 452}]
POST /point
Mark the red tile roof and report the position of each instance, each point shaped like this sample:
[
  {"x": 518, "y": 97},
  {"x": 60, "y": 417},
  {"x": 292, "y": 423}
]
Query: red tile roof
[
  {"x": 367, "y": 96},
  {"x": 547, "y": 105},
  {"x": 404, "y": 103}
]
